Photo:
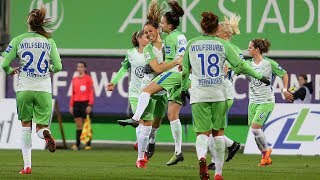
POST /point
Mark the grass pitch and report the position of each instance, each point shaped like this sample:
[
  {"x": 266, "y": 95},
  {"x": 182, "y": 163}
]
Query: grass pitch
[{"x": 120, "y": 164}]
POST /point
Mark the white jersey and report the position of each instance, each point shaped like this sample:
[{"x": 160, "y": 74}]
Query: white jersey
[
  {"x": 35, "y": 54},
  {"x": 137, "y": 64},
  {"x": 260, "y": 93}
]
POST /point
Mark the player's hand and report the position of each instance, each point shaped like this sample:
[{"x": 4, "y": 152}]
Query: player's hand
[
  {"x": 225, "y": 69},
  {"x": 288, "y": 96},
  {"x": 265, "y": 80},
  {"x": 88, "y": 109},
  {"x": 184, "y": 96},
  {"x": 71, "y": 110},
  {"x": 15, "y": 71},
  {"x": 110, "y": 87},
  {"x": 179, "y": 60}
]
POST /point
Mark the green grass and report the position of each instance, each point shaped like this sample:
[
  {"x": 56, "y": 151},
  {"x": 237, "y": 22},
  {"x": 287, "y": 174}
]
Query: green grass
[{"x": 120, "y": 164}]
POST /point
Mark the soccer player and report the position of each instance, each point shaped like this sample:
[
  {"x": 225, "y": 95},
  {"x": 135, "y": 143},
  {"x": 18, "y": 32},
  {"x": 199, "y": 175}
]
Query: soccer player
[
  {"x": 206, "y": 55},
  {"x": 81, "y": 101},
  {"x": 36, "y": 50},
  {"x": 261, "y": 97},
  {"x": 170, "y": 80},
  {"x": 226, "y": 30},
  {"x": 135, "y": 63}
]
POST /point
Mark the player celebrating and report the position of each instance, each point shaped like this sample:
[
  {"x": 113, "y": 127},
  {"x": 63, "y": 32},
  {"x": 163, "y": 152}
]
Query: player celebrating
[
  {"x": 206, "y": 55},
  {"x": 169, "y": 80},
  {"x": 261, "y": 97},
  {"x": 36, "y": 50},
  {"x": 226, "y": 30}
]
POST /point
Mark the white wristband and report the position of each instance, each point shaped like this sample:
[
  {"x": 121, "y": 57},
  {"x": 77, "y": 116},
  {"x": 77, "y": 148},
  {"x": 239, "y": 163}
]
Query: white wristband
[{"x": 284, "y": 90}]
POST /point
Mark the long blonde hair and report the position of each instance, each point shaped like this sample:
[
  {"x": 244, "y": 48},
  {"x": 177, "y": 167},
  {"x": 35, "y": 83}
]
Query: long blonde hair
[{"x": 231, "y": 24}]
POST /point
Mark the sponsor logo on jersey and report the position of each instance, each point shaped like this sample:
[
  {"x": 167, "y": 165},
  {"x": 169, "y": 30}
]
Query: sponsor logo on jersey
[
  {"x": 168, "y": 50},
  {"x": 280, "y": 68},
  {"x": 147, "y": 55},
  {"x": 256, "y": 82},
  {"x": 8, "y": 49},
  {"x": 182, "y": 42},
  {"x": 54, "y": 8},
  {"x": 139, "y": 71}
]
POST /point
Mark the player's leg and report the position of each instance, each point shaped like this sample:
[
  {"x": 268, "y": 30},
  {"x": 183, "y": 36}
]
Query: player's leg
[
  {"x": 143, "y": 137},
  {"x": 133, "y": 104},
  {"x": 261, "y": 114},
  {"x": 233, "y": 146},
  {"x": 78, "y": 115},
  {"x": 201, "y": 113},
  {"x": 42, "y": 117},
  {"x": 159, "y": 113},
  {"x": 219, "y": 110},
  {"x": 25, "y": 114}
]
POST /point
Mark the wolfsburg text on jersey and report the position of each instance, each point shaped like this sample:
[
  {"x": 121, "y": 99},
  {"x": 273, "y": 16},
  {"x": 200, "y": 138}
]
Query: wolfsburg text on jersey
[
  {"x": 29, "y": 45},
  {"x": 207, "y": 47}
]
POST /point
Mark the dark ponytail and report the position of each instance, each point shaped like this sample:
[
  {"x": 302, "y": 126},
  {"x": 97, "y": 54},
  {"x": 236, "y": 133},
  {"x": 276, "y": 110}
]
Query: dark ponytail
[
  {"x": 174, "y": 15},
  {"x": 37, "y": 20}
]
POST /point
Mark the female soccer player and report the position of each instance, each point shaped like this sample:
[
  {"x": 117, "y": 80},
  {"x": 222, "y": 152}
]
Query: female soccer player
[
  {"x": 261, "y": 97},
  {"x": 81, "y": 101},
  {"x": 226, "y": 30},
  {"x": 135, "y": 63},
  {"x": 36, "y": 50},
  {"x": 206, "y": 55},
  {"x": 170, "y": 80}
]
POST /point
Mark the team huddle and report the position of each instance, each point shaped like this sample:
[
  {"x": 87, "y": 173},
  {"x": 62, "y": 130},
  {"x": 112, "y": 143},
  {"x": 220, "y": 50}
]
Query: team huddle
[
  {"x": 200, "y": 69},
  {"x": 165, "y": 70}
]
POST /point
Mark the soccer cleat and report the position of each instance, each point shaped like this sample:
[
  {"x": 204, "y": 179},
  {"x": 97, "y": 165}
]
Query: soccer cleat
[
  {"x": 135, "y": 146},
  {"x": 212, "y": 166},
  {"x": 25, "y": 171},
  {"x": 175, "y": 159},
  {"x": 218, "y": 177},
  {"x": 87, "y": 147},
  {"x": 150, "y": 150},
  {"x": 141, "y": 164},
  {"x": 233, "y": 150},
  {"x": 130, "y": 122},
  {"x": 145, "y": 158},
  {"x": 51, "y": 144},
  {"x": 265, "y": 162},
  {"x": 75, "y": 147},
  {"x": 203, "y": 169}
]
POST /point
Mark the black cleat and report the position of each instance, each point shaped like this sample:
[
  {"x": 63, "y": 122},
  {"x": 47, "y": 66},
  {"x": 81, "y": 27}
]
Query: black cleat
[
  {"x": 130, "y": 122},
  {"x": 212, "y": 166},
  {"x": 150, "y": 150},
  {"x": 233, "y": 150},
  {"x": 175, "y": 159}
]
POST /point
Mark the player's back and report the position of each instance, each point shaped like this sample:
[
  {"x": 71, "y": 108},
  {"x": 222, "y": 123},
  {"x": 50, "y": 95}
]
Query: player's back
[
  {"x": 207, "y": 57},
  {"x": 33, "y": 51}
]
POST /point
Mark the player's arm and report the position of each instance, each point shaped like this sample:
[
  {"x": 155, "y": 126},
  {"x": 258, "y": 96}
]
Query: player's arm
[
  {"x": 91, "y": 91},
  {"x": 279, "y": 71},
  {"x": 186, "y": 69},
  {"x": 9, "y": 55},
  {"x": 241, "y": 66},
  {"x": 125, "y": 65},
  {"x": 71, "y": 102},
  {"x": 56, "y": 65}
]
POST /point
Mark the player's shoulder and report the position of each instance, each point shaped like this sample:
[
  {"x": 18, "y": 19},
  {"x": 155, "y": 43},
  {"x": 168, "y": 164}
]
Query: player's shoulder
[{"x": 131, "y": 51}]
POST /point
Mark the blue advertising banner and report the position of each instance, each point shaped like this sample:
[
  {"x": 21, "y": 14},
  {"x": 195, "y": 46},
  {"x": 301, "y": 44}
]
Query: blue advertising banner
[{"x": 102, "y": 69}]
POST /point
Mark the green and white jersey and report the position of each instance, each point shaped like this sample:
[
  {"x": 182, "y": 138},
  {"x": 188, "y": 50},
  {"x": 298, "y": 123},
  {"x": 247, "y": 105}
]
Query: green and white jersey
[
  {"x": 229, "y": 76},
  {"x": 135, "y": 61},
  {"x": 35, "y": 54},
  {"x": 260, "y": 93},
  {"x": 150, "y": 53},
  {"x": 206, "y": 56},
  {"x": 175, "y": 46}
]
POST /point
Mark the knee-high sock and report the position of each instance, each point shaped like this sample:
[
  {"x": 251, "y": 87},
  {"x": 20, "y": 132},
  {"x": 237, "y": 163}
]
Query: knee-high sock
[
  {"x": 202, "y": 146},
  {"x": 143, "y": 140},
  {"x": 143, "y": 102},
  {"x": 153, "y": 134},
  {"x": 211, "y": 146},
  {"x": 138, "y": 130},
  {"x": 260, "y": 138},
  {"x": 40, "y": 132},
  {"x": 26, "y": 146},
  {"x": 228, "y": 141},
  {"x": 176, "y": 130},
  {"x": 219, "y": 148},
  {"x": 78, "y": 134}
]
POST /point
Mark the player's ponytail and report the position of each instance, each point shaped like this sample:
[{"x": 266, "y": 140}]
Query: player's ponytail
[
  {"x": 174, "y": 15},
  {"x": 37, "y": 21},
  {"x": 154, "y": 14}
]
